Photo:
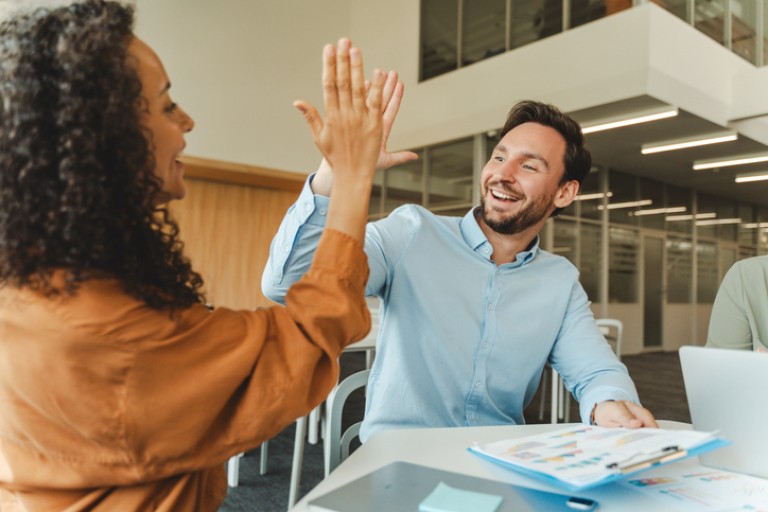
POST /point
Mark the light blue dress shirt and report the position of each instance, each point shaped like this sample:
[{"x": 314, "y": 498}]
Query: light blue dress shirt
[{"x": 462, "y": 341}]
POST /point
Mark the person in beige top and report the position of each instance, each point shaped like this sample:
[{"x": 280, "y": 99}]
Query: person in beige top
[
  {"x": 119, "y": 389},
  {"x": 739, "y": 320}
]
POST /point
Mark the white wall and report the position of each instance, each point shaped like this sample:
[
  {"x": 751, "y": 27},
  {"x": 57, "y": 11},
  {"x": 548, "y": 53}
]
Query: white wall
[{"x": 238, "y": 65}]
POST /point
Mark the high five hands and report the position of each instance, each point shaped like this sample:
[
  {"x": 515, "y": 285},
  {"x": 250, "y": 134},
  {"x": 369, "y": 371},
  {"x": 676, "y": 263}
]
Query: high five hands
[
  {"x": 391, "y": 97},
  {"x": 351, "y": 136}
]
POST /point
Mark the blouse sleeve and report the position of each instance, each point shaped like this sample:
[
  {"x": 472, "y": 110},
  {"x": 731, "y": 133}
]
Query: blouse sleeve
[{"x": 220, "y": 382}]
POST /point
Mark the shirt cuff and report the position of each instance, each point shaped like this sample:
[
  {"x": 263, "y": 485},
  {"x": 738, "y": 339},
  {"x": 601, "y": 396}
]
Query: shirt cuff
[{"x": 312, "y": 208}]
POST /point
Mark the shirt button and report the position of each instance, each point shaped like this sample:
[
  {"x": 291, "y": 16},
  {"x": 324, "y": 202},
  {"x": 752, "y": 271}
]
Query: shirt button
[
  {"x": 485, "y": 344},
  {"x": 490, "y": 307},
  {"x": 323, "y": 211},
  {"x": 478, "y": 385}
]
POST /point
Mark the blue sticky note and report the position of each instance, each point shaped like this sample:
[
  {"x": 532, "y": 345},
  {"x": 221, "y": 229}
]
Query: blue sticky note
[{"x": 445, "y": 498}]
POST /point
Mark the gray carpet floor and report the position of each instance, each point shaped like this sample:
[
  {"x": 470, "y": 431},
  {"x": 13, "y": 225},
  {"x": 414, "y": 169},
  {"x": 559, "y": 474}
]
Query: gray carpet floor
[{"x": 657, "y": 375}]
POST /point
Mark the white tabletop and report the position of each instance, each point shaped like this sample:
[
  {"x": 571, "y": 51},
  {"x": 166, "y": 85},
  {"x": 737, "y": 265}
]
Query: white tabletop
[{"x": 446, "y": 448}]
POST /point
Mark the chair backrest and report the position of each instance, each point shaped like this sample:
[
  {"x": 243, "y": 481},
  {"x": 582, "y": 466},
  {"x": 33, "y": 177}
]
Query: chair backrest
[
  {"x": 336, "y": 443},
  {"x": 612, "y": 329}
]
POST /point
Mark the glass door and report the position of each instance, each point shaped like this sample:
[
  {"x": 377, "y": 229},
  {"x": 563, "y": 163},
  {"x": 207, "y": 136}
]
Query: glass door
[{"x": 653, "y": 291}]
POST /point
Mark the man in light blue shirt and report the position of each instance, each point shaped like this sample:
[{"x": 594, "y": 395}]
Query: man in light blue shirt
[{"x": 472, "y": 308}]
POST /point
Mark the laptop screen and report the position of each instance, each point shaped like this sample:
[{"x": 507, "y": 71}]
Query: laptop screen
[{"x": 727, "y": 391}]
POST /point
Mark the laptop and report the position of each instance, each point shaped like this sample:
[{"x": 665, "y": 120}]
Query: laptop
[
  {"x": 402, "y": 486},
  {"x": 728, "y": 392}
]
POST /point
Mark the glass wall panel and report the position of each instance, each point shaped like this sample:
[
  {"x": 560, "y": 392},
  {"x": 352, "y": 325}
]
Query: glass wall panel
[
  {"x": 706, "y": 272},
  {"x": 764, "y": 42},
  {"x": 707, "y": 205},
  {"x": 676, "y": 7},
  {"x": 622, "y": 265},
  {"x": 762, "y": 232},
  {"x": 483, "y": 30},
  {"x": 653, "y": 290},
  {"x": 624, "y": 189},
  {"x": 439, "y": 36},
  {"x": 565, "y": 239},
  {"x": 526, "y": 23},
  {"x": 746, "y": 252},
  {"x": 679, "y": 269},
  {"x": 450, "y": 174},
  {"x": 584, "y": 11},
  {"x": 743, "y": 18},
  {"x": 653, "y": 190},
  {"x": 591, "y": 186},
  {"x": 709, "y": 18},
  {"x": 404, "y": 184},
  {"x": 747, "y": 230},
  {"x": 376, "y": 207},
  {"x": 590, "y": 261},
  {"x": 727, "y": 210},
  {"x": 551, "y": 18},
  {"x": 728, "y": 256},
  {"x": 679, "y": 222}
]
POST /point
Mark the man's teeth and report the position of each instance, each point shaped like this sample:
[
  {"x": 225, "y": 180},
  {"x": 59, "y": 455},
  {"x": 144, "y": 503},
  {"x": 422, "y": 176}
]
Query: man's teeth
[{"x": 499, "y": 195}]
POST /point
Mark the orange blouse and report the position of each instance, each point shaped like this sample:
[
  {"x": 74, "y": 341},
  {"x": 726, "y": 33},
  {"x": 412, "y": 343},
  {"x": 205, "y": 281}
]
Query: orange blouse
[{"x": 109, "y": 405}]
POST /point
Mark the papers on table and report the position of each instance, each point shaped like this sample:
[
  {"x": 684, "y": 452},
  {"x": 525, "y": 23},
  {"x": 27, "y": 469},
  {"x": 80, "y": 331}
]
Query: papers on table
[
  {"x": 581, "y": 457},
  {"x": 700, "y": 489}
]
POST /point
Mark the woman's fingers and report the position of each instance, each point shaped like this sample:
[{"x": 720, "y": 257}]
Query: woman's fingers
[
  {"x": 357, "y": 79},
  {"x": 330, "y": 95},
  {"x": 343, "y": 81}
]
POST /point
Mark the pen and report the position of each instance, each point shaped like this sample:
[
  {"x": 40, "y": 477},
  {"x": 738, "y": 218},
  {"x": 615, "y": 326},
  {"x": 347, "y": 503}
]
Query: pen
[{"x": 666, "y": 454}]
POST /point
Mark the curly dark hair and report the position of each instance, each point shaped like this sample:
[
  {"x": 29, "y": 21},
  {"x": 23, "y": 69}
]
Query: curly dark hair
[
  {"x": 577, "y": 159},
  {"x": 77, "y": 185}
]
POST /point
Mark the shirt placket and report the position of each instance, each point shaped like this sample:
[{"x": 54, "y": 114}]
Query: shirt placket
[{"x": 477, "y": 389}]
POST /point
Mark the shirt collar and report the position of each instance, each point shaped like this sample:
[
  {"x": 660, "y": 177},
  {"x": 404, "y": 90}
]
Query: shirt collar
[{"x": 477, "y": 241}]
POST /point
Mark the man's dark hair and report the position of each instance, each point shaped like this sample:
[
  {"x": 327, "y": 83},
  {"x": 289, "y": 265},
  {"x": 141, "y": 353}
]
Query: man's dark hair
[
  {"x": 77, "y": 186},
  {"x": 577, "y": 159}
]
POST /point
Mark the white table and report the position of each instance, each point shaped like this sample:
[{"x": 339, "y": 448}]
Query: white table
[{"x": 446, "y": 448}]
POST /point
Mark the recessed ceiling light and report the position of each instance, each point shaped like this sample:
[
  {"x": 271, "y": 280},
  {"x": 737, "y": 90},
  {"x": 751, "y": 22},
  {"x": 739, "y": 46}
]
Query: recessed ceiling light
[
  {"x": 689, "y": 142},
  {"x": 753, "y": 158},
  {"x": 628, "y": 204},
  {"x": 752, "y": 176},
  {"x": 597, "y": 195},
  {"x": 675, "y": 218},
  {"x": 656, "y": 211},
  {"x": 715, "y": 222},
  {"x": 637, "y": 118}
]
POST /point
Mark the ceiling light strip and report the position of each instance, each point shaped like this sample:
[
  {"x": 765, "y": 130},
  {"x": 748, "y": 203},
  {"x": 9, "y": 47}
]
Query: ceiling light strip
[
  {"x": 717, "y": 222},
  {"x": 656, "y": 211},
  {"x": 750, "y": 177},
  {"x": 597, "y": 195},
  {"x": 628, "y": 204},
  {"x": 643, "y": 118},
  {"x": 658, "y": 147},
  {"x": 739, "y": 160},
  {"x": 675, "y": 218}
]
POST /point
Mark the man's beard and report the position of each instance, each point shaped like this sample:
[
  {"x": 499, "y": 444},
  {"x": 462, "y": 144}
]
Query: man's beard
[{"x": 536, "y": 210}]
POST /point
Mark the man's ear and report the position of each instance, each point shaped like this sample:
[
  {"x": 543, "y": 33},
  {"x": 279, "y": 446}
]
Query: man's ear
[{"x": 566, "y": 193}]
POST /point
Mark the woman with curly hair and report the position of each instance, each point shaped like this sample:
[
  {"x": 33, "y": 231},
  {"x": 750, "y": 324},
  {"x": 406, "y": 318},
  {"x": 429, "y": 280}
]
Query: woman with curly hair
[{"x": 119, "y": 388}]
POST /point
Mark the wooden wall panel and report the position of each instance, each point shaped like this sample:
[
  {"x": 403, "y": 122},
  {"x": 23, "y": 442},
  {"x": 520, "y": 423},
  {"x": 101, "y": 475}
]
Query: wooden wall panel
[{"x": 227, "y": 229}]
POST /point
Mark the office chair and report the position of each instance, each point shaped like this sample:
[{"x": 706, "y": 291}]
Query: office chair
[
  {"x": 337, "y": 444},
  {"x": 612, "y": 329}
]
